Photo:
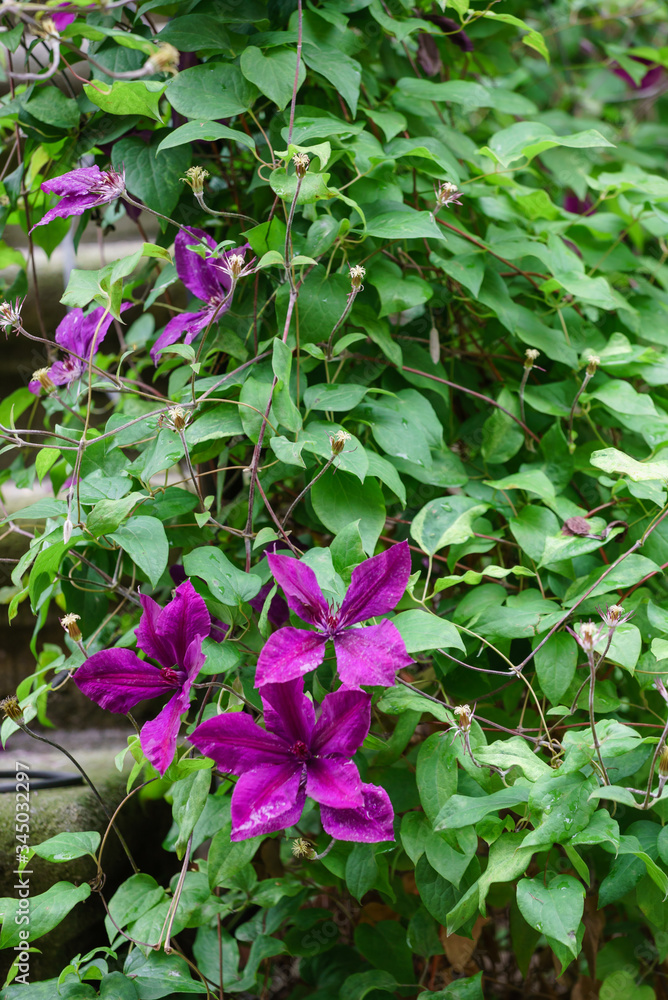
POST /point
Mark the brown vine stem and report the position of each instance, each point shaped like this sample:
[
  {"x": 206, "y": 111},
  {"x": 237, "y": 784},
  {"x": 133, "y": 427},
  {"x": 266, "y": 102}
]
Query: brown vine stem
[
  {"x": 592, "y": 718},
  {"x": 460, "y": 388},
  {"x": 113, "y": 818},
  {"x": 634, "y": 548},
  {"x": 482, "y": 246}
]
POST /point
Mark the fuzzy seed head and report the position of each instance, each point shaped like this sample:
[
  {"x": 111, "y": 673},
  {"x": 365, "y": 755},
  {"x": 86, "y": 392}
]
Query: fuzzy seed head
[
  {"x": 11, "y": 708},
  {"x": 338, "y": 441},
  {"x": 42, "y": 376},
  {"x": 165, "y": 60},
  {"x": 464, "y": 717},
  {"x": 178, "y": 417},
  {"x": 447, "y": 194},
  {"x": 663, "y": 762},
  {"x": 10, "y": 315},
  {"x": 195, "y": 177},
  {"x": 301, "y": 162},
  {"x": 531, "y": 355},
  {"x": 592, "y": 364},
  {"x": 356, "y": 276},
  {"x": 301, "y": 848},
  {"x": 589, "y": 635},
  {"x": 69, "y": 623}
]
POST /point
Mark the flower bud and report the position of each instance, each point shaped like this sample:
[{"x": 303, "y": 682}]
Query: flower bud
[
  {"x": 302, "y": 849},
  {"x": 592, "y": 364},
  {"x": 42, "y": 376},
  {"x": 195, "y": 177},
  {"x": 11, "y": 708},
  {"x": 338, "y": 441},
  {"x": 356, "y": 275},
  {"x": 301, "y": 162},
  {"x": 67, "y": 530},
  {"x": 165, "y": 60},
  {"x": 531, "y": 355},
  {"x": 69, "y": 623},
  {"x": 464, "y": 717}
]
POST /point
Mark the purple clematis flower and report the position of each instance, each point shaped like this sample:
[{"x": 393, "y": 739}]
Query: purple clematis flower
[
  {"x": 116, "y": 679},
  {"x": 298, "y": 756},
  {"x": 81, "y": 189},
  {"x": 369, "y": 655},
  {"x": 209, "y": 281},
  {"x": 75, "y": 333},
  {"x": 63, "y": 18}
]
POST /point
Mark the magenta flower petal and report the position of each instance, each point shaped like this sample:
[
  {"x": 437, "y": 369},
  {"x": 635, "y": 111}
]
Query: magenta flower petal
[
  {"x": 343, "y": 723},
  {"x": 370, "y": 655},
  {"x": 377, "y": 585},
  {"x": 186, "y": 323},
  {"x": 166, "y": 634},
  {"x": 301, "y": 588},
  {"x": 116, "y": 679},
  {"x": 237, "y": 744},
  {"x": 288, "y": 654},
  {"x": 287, "y": 712},
  {"x": 197, "y": 274},
  {"x": 158, "y": 738},
  {"x": 78, "y": 181},
  {"x": 368, "y": 824},
  {"x": 266, "y": 800},
  {"x": 334, "y": 782}
]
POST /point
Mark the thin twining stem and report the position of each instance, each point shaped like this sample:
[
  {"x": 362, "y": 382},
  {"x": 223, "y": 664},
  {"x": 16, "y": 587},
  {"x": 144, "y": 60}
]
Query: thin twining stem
[
  {"x": 592, "y": 719},
  {"x": 307, "y": 488}
]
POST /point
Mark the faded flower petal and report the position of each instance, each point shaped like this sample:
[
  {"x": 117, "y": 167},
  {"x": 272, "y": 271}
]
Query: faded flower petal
[
  {"x": 81, "y": 189},
  {"x": 116, "y": 679},
  {"x": 343, "y": 723},
  {"x": 301, "y": 588},
  {"x": 370, "y": 655},
  {"x": 377, "y": 585},
  {"x": 288, "y": 654},
  {"x": 368, "y": 824},
  {"x": 267, "y": 799},
  {"x": 334, "y": 782}
]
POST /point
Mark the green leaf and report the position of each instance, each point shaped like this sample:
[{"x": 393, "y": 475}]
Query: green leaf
[
  {"x": 357, "y": 986},
  {"x": 145, "y": 541},
  {"x": 529, "y": 139},
  {"x": 554, "y": 909},
  {"x": 347, "y": 550},
  {"x": 203, "y": 131},
  {"x": 446, "y": 521},
  {"x": 273, "y": 72},
  {"x": 227, "y": 859},
  {"x": 556, "y": 662},
  {"x": 127, "y": 97},
  {"x": 212, "y": 90},
  {"x": 436, "y": 773},
  {"x": 421, "y": 630},
  {"x": 46, "y": 911},
  {"x": 461, "y": 810},
  {"x": 333, "y": 396},
  {"x": 401, "y": 222},
  {"x": 339, "y": 498},
  {"x": 471, "y": 987},
  {"x": 67, "y": 846},
  {"x": 151, "y": 176},
  {"x": 228, "y": 584},
  {"x": 612, "y": 460},
  {"x": 108, "y": 515},
  {"x": 189, "y": 797},
  {"x": 533, "y": 39}
]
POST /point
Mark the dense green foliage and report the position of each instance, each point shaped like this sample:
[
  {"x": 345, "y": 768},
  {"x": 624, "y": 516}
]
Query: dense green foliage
[{"x": 532, "y": 489}]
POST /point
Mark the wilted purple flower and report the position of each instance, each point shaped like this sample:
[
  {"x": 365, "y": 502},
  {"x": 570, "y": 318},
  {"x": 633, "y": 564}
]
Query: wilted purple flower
[
  {"x": 61, "y": 19},
  {"x": 369, "y": 655},
  {"x": 453, "y": 31},
  {"x": 116, "y": 679},
  {"x": 578, "y": 206},
  {"x": 75, "y": 333},
  {"x": 209, "y": 280},
  {"x": 10, "y": 314},
  {"x": 298, "y": 756},
  {"x": 81, "y": 189}
]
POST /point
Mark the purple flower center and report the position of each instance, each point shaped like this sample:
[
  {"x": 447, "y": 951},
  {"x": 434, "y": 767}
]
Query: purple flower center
[
  {"x": 170, "y": 674},
  {"x": 300, "y": 751}
]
